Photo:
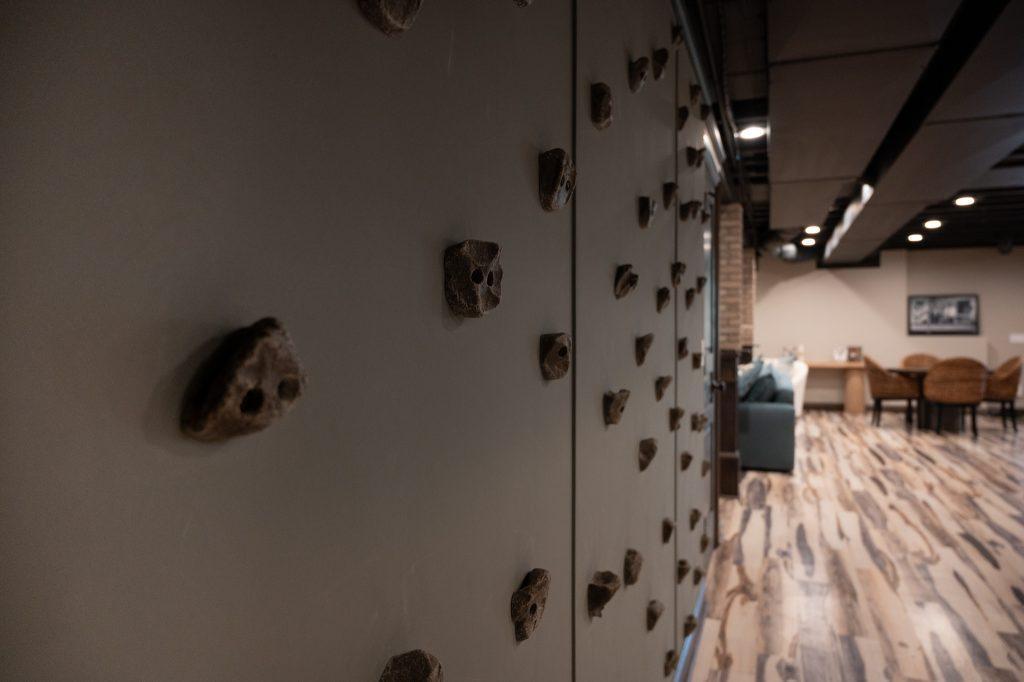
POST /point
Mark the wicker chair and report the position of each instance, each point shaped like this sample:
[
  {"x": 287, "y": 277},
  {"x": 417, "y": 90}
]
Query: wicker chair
[
  {"x": 957, "y": 382},
  {"x": 889, "y": 386},
  {"x": 1002, "y": 388},
  {"x": 919, "y": 361}
]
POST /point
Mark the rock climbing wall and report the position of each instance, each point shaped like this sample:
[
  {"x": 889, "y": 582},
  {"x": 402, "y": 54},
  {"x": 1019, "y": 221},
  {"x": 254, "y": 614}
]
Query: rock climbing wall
[
  {"x": 694, "y": 441},
  {"x": 427, "y": 456},
  {"x": 621, "y": 504},
  {"x": 186, "y": 168}
]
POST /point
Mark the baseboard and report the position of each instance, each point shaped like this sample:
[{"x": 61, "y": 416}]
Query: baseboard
[{"x": 830, "y": 407}]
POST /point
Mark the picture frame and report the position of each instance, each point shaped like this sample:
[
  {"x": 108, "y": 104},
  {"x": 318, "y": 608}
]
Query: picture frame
[{"x": 943, "y": 314}]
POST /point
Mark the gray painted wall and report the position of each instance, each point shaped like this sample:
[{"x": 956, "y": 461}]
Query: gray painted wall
[{"x": 173, "y": 170}]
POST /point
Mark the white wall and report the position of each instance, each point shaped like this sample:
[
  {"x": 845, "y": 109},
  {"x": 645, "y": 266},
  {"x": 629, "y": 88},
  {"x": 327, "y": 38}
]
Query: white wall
[{"x": 825, "y": 308}]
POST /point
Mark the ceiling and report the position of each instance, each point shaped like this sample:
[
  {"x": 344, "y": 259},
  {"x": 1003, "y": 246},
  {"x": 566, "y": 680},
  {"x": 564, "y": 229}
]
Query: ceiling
[
  {"x": 976, "y": 124},
  {"x": 923, "y": 99}
]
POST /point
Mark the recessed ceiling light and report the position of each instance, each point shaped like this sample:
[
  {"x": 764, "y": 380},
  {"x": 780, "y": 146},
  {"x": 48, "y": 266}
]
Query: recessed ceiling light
[
  {"x": 753, "y": 132},
  {"x": 812, "y": 229},
  {"x": 932, "y": 224},
  {"x": 808, "y": 241},
  {"x": 915, "y": 237},
  {"x": 965, "y": 200}
]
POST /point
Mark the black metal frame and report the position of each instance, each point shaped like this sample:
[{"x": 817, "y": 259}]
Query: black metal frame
[{"x": 977, "y": 321}]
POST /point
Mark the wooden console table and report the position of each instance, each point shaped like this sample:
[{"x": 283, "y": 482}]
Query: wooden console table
[{"x": 853, "y": 390}]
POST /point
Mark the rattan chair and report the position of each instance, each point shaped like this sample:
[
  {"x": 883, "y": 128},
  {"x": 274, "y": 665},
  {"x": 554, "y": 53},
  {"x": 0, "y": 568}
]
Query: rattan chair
[
  {"x": 889, "y": 386},
  {"x": 919, "y": 361},
  {"x": 959, "y": 383},
  {"x": 1002, "y": 389}
]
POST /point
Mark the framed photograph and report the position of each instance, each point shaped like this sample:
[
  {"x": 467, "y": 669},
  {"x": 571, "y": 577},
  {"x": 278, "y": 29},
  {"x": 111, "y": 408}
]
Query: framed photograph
[{"x": 943, "y": 314}]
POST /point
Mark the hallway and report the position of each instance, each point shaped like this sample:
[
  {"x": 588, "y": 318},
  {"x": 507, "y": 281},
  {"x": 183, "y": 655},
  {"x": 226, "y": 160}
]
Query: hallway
[{"x": 887, "y": 555}]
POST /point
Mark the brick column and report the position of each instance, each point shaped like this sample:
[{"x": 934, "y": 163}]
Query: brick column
[
  {"x": 730, "y": 277},
  {"x": 747, "y": 297}
]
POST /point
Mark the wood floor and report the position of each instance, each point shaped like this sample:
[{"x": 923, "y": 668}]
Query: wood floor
[{"x": 887, "y": 555}]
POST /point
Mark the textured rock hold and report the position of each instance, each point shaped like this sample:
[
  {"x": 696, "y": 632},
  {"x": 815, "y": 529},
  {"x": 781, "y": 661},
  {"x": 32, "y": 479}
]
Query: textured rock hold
[
  {"x": 705, "y": 467},
  {"x": 704, "y": 215},
  {"x": 695, "y": 93},
  {"x": 705, "y": 541},
  {"x": 682, "y": 348},
  {"x": 625, "y": 280},
  {"x": 684, "y": 461},
  {"x": 689, "y": 209},
  {"x": 662, "y": 298},
  {"x": 690, "y": 294},
  {"x": 253, "y": 378},
  {"x": 682, "y": 570},
  {"x": 601, "y": 105},
  {"x": 705, "y": 112},
  {"x": 701, "y": 282},
  {"x": 642, "y": 346},
  {"x": 659, "y": 62},
  {"x": 671, "y": 661},
  {"x": 693, "y": 156},
  {"x": 661, "y": 385},
  {"x": 615, "y": 405},
  {"x": 669, "y": 191},
  {"x": 677, "y": 35},
  {"x": 555, "y": 355},
  {"x": 676, "y": 270},
  {"x": 631, "y": 566},
  {"x": 697, "y": 359},
  {"x": 557, "y": 179},
  {"x": 528, "y": 603},
  {"x": 698, "y": 575},
  {"x": 654, "y": 610},
  {"x": 472, "y": 277},
  {"x": 689, "y": 625},
  {"x": 694, "y": 518},
  {"x": 646, "y": 208},
  {"x": 391, "y": 16},
  {"x": 698, "y": 422},
  {"x": 413, "y": 666},
  {"x": 648, "y": 449},
  {"x": 675, "y": 417},
  {"x": 682, "y": 116},
  {"x": 638, "y": 70},
  {"x": 667, "y": 527},
  {"x": 600, "y": 591}
]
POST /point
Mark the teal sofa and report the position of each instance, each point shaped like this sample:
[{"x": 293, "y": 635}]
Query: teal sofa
[{"x": 767, "y": 426}]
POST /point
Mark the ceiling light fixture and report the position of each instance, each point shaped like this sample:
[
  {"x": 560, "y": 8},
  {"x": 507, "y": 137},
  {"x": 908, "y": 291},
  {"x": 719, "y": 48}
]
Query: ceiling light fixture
[
  {"x": 915, "y": 237},
  {"x": 812, "y": 229},
  {"x": 808, "y": 241},
  {"x": 753, "y": 132},
  {"x": 932, "y": 224},
  {"x": 965, "y": 200}
]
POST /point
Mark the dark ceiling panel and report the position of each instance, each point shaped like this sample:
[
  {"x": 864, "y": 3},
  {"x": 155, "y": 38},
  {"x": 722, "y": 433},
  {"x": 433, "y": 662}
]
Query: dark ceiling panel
[
  {"x": 943, "y": 158},
  {"x": 992, "y": 82},
  {"x": 1002, "y": 177},
  {"x": 798, "y": 204},
  {"x": 799, "y": 29},
  {"x": 828, "y": 116}
]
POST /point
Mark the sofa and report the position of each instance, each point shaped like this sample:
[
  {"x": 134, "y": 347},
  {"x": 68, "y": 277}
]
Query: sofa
[
  {"x": 767, "y": 419},
  {"x": 797, "y": 371}
]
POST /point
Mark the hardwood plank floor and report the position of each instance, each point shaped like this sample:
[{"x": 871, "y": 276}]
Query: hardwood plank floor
[{"x": 888, "y": 554}]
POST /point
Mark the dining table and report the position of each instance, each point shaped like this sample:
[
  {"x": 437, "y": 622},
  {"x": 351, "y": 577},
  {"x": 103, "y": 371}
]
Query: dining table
[{"x": 951, "y": 418}]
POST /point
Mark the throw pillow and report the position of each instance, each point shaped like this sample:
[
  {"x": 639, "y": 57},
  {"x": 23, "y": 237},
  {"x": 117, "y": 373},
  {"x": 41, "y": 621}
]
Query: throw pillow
[
  {"x": 747, "y": 379},
  {"x": 763, "y": 390}
]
